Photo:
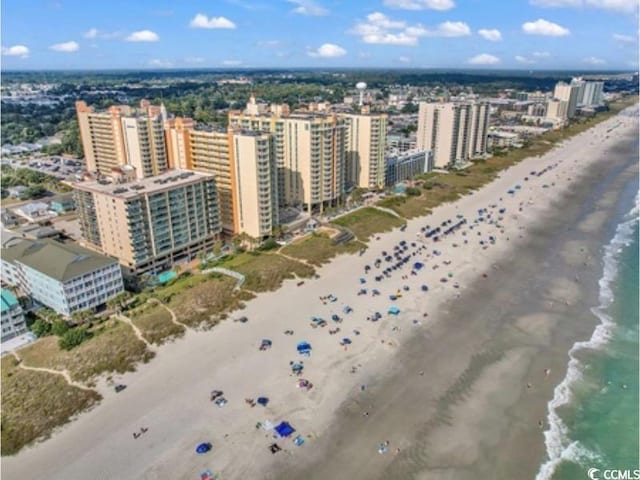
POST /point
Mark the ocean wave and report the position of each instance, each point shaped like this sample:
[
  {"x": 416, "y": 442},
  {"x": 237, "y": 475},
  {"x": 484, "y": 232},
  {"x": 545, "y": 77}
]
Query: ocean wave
[{"x": 558, "y": 444}]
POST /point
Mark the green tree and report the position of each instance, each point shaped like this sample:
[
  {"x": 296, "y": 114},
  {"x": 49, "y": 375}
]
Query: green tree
[
  {"x": 81, "y": 316},
  {"x": 59, "y": 328},
  {"x": 41, "y": 328},
  {"x": 74, "y": 337},
  {"x": 34, "y": 191}
]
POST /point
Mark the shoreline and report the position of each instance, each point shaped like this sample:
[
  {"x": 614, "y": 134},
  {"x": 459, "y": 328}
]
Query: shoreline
[
  {"x": 445, "y": 447},
  {"x": 558, "y": 443},
  {"x": 169, "y": 395}
]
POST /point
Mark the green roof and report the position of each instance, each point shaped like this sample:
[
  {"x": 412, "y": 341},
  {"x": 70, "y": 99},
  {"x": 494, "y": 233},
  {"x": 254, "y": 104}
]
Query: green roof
[
  {"x": 8, "y": 300},
  {"x": 61, "y": 261}
]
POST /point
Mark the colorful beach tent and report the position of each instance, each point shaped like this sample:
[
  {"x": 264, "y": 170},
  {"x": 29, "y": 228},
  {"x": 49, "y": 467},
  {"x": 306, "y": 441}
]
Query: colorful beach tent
[
  {"x": 262, "y": 401},
  {"x": 284, "y": 429},
  {"x": 394, "y": 310},
  {"x": 418, "y": 265},
  {"x": 304, "y": 347}
]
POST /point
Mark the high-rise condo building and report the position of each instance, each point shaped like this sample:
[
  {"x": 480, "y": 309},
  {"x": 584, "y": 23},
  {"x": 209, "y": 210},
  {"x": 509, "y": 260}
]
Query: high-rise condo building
[
  {"x": 123, "y": 135},
  {"x": 454, "y": 132},
  {"x": 309, "y": 153},
  {"x": 580, "y": 83},
  {"x": 568, "y": 93},
  {"x": 365, "y": 149},
  {"x": 244, "y": 168},
  {"x": 592, "y": 94},
  {"x": 152, "y": 223},
  {"x": 557, "y": 110}
]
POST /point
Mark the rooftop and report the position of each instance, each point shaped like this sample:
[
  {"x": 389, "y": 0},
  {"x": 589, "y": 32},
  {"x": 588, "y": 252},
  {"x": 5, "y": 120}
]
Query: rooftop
[
  {"x": 7, "y": 301},
  {"x": 165, "y": 181},
  {"x": 61, "y": 261}
]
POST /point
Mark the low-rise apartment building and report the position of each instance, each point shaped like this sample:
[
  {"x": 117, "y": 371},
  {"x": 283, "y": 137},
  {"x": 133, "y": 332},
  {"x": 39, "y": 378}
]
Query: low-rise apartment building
[
  {"x": 11, "y": 316},
  {"x": 64, "y": 277},
  {"x": 406, "y": 165}
]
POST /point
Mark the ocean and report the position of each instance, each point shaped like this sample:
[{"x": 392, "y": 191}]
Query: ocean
[{"x": 593, "y": 417}]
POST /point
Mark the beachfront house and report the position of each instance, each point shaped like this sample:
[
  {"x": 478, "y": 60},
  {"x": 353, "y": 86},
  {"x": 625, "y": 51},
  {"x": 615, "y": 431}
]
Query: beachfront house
[{"x": 64, "y": 277}]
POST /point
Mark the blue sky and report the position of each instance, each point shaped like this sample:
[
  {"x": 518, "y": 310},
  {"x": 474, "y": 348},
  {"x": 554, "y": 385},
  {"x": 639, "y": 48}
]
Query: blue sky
[{"x": 140, "y": 34}]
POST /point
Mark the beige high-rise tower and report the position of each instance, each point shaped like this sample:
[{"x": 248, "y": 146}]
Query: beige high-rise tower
[
  {"x": 568, "y": 93},
  {"x": 454, "y": 132},
  {"x": 243, "y": 165},
  {"x": 365, "y": 149},
  {"x": 102, "y": 139},
  {"x": 309, "y": 152},
  {"x": 123, "y": 136}
]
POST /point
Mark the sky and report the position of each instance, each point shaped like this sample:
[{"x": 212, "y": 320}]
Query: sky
[{"x": 155, "y": 34}]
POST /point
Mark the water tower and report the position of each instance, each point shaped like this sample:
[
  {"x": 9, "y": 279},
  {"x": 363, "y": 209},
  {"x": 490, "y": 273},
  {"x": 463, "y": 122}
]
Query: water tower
[{"x": 361, "y": 86}]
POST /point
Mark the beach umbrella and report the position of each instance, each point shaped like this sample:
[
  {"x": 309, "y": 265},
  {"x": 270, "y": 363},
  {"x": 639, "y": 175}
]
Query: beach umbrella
[
  {"x": 262, "y": 401},
  {"x": 203, "y": 448}
]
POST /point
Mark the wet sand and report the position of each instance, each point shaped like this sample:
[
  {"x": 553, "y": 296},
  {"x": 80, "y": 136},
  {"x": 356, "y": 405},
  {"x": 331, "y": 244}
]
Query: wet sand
[{"x": 475, "y": 411}]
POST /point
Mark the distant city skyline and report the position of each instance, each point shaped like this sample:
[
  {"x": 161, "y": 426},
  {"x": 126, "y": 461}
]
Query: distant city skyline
[{"x": 461, "y": 34}]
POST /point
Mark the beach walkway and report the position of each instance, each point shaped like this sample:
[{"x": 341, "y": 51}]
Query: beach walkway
[{"x": 63, "y": 373}]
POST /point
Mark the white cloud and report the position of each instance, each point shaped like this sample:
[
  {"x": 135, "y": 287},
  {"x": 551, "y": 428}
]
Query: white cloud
[
  {"x": 382, "y": 21},
  {"x": 623, "y": 38},
  {"x": 143, "y": 36},
  {"x": 202, "y": 21},
  {"x": 380, "y": 29},
  {"x": 420, "y": 4},
  {"x": 493, "y": 35},
  {"x": 65, "y": 47},
  {"x": 160, "y": 63},
  {"x": 450, "y": 29},
  {"x": 541, "y": 54},
  {"x": 593, "y": 61},
  {"x": 308, "y": 8},
  {"x": 364, "y": 55},
  {"x": 484, "y": 59},
  {"x": 91, "y": 33},
  {"x": 404, "y": 59},
  {"x": 328, "y": 50},
  {"x": 544, "y": 27},
  {"x": 21, "y": 51},
  {"x": 231, "y": 63},
  {"x": 390, "y": 39},
  {"x": 94, "y": 33},
  {"x": 621, "y": 6},
  {"x": 525, "y": 60}
]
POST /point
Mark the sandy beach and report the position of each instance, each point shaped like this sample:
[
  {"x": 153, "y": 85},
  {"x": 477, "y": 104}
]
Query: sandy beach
[{"x": 457, "y": 382}]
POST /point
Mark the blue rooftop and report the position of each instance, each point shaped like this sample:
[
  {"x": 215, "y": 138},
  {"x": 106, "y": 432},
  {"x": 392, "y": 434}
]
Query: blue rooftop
[{"x": 8, "y": 300}]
